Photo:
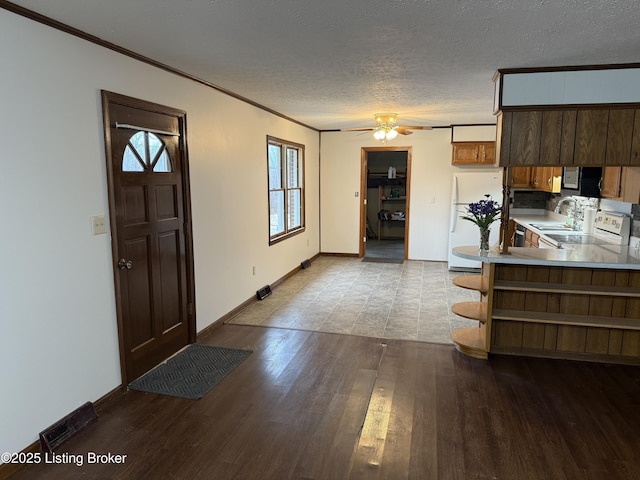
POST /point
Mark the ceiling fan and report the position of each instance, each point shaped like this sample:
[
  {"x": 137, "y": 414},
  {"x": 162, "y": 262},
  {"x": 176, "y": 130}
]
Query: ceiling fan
[{"x": 386, "y": 128}]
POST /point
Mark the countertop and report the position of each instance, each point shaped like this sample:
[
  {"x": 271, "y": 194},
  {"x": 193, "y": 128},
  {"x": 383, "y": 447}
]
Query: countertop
[
  {"x": 621, "y": 257},
  {"x": 580, "y": 254},
  {"x": 558, "y": 238}
]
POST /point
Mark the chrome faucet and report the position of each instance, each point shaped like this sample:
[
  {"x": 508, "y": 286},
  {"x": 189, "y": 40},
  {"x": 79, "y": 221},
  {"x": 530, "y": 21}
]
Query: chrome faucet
[
  {"x": 564, "y": 200},
  {"x": 571, "y": 213}
]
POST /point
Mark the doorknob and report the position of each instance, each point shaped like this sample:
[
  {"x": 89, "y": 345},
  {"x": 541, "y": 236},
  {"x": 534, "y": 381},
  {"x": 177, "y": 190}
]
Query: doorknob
[{"x": 125, "y": 264}]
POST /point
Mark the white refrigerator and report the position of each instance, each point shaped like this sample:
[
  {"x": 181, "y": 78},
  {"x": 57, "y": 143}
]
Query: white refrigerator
[{"x": 470, "y": 187}]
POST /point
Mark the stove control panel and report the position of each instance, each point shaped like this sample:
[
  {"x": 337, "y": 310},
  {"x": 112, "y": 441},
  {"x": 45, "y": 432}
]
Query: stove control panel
[{"x": 613, "y": 223}]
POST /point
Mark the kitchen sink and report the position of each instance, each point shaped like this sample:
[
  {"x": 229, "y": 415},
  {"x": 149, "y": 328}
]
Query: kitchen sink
[
  {"x": 576, "y": 238},
  {"x": 551, "y": 227}
]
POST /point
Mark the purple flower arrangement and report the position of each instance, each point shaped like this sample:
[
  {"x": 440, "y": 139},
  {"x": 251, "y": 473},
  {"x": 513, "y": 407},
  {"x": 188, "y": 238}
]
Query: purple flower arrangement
[{"x": 483, "y": 213}]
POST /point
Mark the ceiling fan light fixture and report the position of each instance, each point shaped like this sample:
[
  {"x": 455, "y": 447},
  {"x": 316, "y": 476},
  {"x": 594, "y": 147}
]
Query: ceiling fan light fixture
[
  {"x": 386, "y": 119},
  {"x": 385, "y": 129},
  {"x": 379, "y": 133}
]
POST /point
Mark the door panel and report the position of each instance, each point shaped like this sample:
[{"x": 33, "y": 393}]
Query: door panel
[
  {"x": 137, "y": 285},
  {"x": 150, "y": 230}
]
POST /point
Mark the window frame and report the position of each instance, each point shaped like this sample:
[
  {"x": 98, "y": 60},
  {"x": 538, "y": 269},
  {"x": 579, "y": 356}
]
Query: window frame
[{"x": 285, "y": 188}]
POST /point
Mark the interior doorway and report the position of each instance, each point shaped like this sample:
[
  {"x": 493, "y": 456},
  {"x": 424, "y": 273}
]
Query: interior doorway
[{"x": 384, "y": 214}]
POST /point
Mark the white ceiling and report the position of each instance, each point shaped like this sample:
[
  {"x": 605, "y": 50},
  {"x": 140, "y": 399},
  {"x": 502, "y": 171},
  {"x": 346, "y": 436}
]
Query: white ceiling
[{"x": 334, "y": 63}]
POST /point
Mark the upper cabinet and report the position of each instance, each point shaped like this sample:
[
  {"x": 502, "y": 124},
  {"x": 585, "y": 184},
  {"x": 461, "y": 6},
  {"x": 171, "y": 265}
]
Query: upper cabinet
[
  {"x": 584, "y": 115},
  {"x": 546, "y": 179},
  {"x": 621, "y": 183},
  {"x": 569, "y": 137},
  {"x": 473, "y": 153}
]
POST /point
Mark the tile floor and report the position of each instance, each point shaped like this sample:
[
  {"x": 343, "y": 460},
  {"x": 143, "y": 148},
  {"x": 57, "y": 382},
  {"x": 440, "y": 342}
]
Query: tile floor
[{"x": 409, "y": 301}]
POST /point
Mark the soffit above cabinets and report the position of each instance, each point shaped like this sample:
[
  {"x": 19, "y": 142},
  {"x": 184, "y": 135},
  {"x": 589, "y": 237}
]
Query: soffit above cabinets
[{"x": 598, "y": 85}]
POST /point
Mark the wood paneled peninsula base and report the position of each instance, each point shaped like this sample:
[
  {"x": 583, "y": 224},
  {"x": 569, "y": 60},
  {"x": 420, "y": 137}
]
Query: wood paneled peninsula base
[{"x": 580, "y": 304}]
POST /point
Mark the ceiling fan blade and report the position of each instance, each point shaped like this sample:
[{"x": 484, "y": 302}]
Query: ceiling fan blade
[
  {"x": 403, "y": 131},
  {"x": 360, "y": 129},
  {"x": 415, "y": 127}
]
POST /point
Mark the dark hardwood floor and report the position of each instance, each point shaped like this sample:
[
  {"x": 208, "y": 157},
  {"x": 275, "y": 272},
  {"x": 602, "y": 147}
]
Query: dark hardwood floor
[{"x": 310, "y": 405}]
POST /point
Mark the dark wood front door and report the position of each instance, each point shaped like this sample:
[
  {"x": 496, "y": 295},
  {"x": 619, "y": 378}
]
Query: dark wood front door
[{"x": 149, "y": 214}]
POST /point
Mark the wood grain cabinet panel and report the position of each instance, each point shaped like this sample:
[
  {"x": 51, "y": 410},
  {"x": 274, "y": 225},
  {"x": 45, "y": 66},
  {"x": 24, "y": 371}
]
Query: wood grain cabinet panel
[
  {"x": 567, "y": 146},
  {"x": 635, "y": 141},
  {"x": 591, "y": 137},
  {"x": 526, "y": 129},
  {"x": 610, "y": 185},
  {"x": 630, "y": 180},
  {"x": 565, "y": 312},
  {"x": 473, "y": 153},
  {"x": 621, "y": 183},
  {"x": 551, "y": 137},
  {"x": 569, "y": 137},
  {"x": 521, "y": 177},
  {"x": 619, "y": 137}
]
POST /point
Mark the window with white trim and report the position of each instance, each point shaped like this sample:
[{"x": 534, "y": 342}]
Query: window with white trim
[{"x": 285, "y": 162}]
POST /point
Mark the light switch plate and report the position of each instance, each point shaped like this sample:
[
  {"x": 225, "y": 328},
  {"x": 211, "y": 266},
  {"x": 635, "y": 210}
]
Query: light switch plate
[{"x": 98, "y": 225}]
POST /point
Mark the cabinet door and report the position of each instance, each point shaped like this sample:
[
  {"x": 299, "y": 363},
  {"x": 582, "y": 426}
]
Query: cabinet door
[
  {"x": 550, "y": 179},
  {"x": 567, "y": 144},
  {"x": 551, "y": 137},
  {"x": 591, "y": 137},
  {"x": 525, "y": 138},
  {"x": 631, "y": 185},
  {"x": 465, "y": 153},
  {"x": 610, "y": 186},
  {"x": 488, "y": 153},
  {"x": 536, "y": 178},
  {"x": 635, "y": 143},
  {"x": 521, "y": 177},
  {"x": 619, "y": 137}
]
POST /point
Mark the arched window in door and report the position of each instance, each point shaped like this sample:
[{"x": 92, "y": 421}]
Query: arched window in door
[{"x": 146, "y": 152}]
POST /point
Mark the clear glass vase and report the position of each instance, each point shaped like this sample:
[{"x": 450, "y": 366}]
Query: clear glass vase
[{"x": 484, "y": 240}]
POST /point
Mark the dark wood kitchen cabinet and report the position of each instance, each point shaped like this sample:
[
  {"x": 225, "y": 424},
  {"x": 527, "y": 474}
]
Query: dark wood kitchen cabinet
[
  {"x": 569, "y": 137},
  {"x": 537, "y": 137}
]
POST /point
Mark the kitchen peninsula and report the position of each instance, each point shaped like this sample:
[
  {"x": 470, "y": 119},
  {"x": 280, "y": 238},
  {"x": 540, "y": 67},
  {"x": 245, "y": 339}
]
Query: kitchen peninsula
[{"x": 579, "y": 303}]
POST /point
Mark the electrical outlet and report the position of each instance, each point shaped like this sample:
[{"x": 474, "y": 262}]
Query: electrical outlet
[
  {"x": 98, "y": 225},
  {"x": 253, "y": 270}
]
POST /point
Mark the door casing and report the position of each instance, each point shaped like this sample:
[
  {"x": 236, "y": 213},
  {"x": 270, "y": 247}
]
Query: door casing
[
  {"x": 364, "y": 151},
  {"x": 109, "y": 98}
]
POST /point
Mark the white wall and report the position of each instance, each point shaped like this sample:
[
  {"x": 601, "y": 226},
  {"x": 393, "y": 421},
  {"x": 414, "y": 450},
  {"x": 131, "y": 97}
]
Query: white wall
[
  {"x": 58, "y": 340},
  {"x": 430, "y": 190}
]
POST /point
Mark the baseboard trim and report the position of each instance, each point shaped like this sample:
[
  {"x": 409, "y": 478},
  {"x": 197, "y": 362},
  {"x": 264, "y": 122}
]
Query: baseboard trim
[
  {"x": 8, "y": 469},
  {"x": 205, "y": 332},
  {"x": 100, "y": 405},
  {"x": 349, "y": 255}
]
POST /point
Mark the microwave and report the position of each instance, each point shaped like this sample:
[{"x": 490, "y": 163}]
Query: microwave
[{"x": 582, "y": 181}]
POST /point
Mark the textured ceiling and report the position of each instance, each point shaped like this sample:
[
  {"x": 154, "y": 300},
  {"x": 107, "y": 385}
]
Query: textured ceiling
[{"x": 334, "y": 63}]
